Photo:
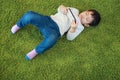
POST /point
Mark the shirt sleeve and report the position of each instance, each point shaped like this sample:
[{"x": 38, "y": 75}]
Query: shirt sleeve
[
  {"x": 74, "y": 10},
  {"x": 59, "y": 10},
  {"x": 72, "y": 36}
]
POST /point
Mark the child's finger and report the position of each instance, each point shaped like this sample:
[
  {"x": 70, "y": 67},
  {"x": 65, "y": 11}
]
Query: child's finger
[{"x": 73, "y": 22}]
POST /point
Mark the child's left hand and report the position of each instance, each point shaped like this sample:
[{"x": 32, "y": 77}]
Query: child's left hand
[
  {"x": 73, "y": 27},
  {"x": 74, "y": 24}
]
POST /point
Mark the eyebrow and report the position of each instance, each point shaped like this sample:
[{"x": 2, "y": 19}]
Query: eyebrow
[
  {"x": 87, "y": 12},
  {"x": 87, "y": 19}
]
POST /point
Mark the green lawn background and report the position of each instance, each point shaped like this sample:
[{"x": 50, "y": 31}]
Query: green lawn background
[{"x": 94, "y": 55}]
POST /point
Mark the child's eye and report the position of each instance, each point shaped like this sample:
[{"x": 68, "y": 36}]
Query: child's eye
[
  {"x": 87, "y": 19},
  {"x": 86, "y": 13}
]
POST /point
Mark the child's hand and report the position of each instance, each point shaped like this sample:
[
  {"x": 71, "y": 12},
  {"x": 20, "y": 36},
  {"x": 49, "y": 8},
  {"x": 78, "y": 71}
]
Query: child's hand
[
  {"x": 63, "y": 9},
  {"x": 73, "y": 27},
  {"x": 74, "y": 24}
]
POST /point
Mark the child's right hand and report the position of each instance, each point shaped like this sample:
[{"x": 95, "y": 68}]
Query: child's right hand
[{"x": 63, "y": 9}]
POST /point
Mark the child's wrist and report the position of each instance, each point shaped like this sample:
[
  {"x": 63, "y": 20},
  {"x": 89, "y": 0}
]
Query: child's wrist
[{"x": 72, "y": 29}]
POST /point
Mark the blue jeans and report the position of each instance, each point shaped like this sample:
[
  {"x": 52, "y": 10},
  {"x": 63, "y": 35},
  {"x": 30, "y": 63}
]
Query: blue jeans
[{"x": 46, "y": 26}]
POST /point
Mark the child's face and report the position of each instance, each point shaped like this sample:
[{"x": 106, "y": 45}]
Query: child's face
[{"x": 86, "y": 17}]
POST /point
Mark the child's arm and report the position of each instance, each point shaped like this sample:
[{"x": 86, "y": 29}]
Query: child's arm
[
  {"x": 73, "y": 27},
  {"x": 74, "y": 31},
  {"x": 62, "y": 9}
]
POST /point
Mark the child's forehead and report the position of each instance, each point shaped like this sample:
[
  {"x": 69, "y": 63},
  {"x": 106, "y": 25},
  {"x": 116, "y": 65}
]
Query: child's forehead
[{"x": 90, "y": 12}]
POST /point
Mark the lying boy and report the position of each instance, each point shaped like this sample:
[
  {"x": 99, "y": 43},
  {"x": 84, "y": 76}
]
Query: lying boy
[{"x": 67, "y": 19}]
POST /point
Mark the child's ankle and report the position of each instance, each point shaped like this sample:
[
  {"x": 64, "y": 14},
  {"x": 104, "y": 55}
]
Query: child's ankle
[
  {"x": 31, "y": 55},
  {"x": 14, "y": 29}
]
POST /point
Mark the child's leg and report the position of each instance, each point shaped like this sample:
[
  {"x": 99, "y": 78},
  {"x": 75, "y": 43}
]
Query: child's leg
[
  {"x": 28, "y": 18},
  {"x": 31, "y": 55},
  {"x": 14, "y": 29},
  {"x": 46, "y": 44}
]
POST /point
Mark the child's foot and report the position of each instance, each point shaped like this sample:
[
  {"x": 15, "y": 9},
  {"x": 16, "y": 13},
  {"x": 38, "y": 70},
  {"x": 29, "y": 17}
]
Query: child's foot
[
  {"x": 14, "y": 29},
  {"x": 31, "y": 55}
]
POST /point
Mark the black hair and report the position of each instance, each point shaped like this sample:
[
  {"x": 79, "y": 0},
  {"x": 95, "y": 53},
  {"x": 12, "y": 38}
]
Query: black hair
[{"x": 96, "y": 17}]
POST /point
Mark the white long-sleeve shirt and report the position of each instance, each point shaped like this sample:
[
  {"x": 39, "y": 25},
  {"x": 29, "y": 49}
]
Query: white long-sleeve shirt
[{"x": 64, "y": 21}]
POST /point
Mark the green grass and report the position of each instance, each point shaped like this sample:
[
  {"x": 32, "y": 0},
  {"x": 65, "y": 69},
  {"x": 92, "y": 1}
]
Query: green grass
[{"x": 94, "y": 55}]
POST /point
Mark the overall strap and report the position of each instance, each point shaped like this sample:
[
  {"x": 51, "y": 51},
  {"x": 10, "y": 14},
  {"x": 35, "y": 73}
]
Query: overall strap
[{"x": 72, "y": 14}]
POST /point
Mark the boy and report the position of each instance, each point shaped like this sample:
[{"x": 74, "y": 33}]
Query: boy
[{"x": 52, "y": 27}]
